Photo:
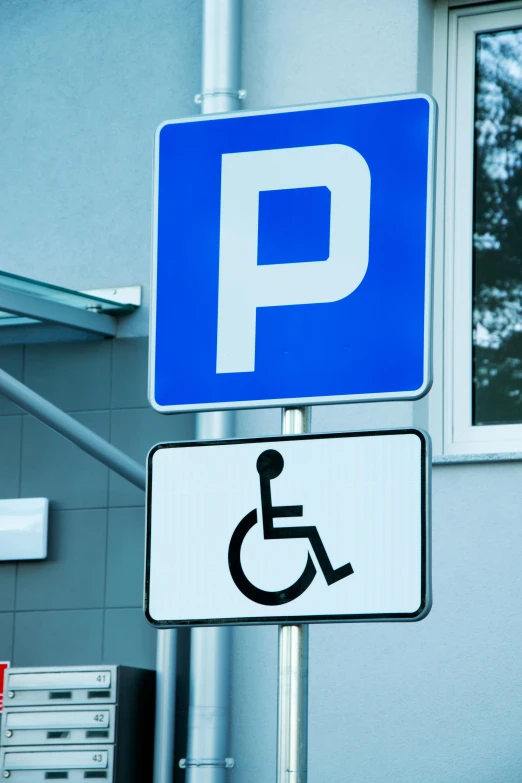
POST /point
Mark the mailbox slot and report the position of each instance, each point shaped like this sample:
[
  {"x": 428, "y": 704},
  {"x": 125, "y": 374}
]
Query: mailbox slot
[
  {"x": 72, "y": 686},
  {"x": 43, "y": 726},
  {"x": 73, "y": 763}
]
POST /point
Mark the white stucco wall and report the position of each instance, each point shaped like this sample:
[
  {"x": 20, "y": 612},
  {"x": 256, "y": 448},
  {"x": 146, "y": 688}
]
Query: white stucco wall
[
  {"x": 436, "y": 701},
  {"x": 304, "y": 51}
]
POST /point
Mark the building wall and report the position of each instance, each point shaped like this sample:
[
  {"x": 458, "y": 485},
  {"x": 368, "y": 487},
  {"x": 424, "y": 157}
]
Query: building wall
[
  {"x": 306, "y": 52},
  {"x": 83, "y": 604},
  {"x": 436, "y": 701},
  {"x": 83, "y": 85}
]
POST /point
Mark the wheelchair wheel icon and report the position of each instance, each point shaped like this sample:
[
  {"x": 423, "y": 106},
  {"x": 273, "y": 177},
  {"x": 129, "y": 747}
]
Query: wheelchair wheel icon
[{"x": 270, "y": 465}]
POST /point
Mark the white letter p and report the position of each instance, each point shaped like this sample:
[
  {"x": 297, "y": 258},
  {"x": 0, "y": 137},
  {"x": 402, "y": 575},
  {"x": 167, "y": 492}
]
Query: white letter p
[{"x": 243, "y": 284}]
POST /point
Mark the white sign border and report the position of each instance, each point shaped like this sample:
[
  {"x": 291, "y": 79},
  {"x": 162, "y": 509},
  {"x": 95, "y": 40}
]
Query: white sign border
[
  {"x": 426, "y": 588},
  {"x": 303, "y": 401}
]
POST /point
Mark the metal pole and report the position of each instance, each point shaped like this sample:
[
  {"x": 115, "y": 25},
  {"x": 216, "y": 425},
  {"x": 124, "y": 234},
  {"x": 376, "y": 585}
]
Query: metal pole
[
  {"x": 209, "y": 701},
  {"x": 221, "y": 57},
  {"x": 209, "y": 708},
  {"x": 292, "y": 692}
]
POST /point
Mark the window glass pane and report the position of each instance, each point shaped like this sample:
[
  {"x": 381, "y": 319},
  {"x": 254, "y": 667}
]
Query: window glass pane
[{"x": 497, "y": 230}]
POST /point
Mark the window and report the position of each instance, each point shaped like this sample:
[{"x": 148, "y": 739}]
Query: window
[{"x": 482, "y": 226}]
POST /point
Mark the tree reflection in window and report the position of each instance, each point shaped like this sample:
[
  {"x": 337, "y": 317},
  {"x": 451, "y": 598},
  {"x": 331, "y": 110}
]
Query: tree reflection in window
[{"x": 497, "y": 237}]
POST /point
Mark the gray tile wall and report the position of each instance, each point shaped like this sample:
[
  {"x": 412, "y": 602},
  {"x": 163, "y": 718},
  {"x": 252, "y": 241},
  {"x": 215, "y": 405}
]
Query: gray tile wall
[{"x": 82, "y": 605}]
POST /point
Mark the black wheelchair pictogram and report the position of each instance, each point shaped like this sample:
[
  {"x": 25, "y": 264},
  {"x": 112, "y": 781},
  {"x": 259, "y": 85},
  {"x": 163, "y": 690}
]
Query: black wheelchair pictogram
[{"x": 270, "y": 465}]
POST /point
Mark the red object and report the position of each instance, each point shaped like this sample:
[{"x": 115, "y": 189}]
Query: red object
[{"x": 3, "y": 666}]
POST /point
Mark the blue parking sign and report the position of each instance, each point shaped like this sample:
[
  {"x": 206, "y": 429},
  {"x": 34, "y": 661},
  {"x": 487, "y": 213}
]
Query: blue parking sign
[{"x": 292, "y": 256}]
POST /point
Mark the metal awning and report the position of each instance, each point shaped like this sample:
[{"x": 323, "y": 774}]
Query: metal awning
[{"x": 24, "y": 301}]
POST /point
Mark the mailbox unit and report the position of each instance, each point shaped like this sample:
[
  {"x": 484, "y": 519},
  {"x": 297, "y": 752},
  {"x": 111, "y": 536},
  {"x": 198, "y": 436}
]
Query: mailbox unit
[
  {"x": 74, "y": 763},
  {"x": 79, "y": 723},
  {"x": 59, "y": 726}
]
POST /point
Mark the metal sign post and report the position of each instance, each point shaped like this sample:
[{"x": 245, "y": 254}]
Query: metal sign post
[
  {"x": 292, "y": 705},
  {"x": 272, "y": 287},
  {"x": 292, "y": 675},
  {"x": 289, "y": 530}
]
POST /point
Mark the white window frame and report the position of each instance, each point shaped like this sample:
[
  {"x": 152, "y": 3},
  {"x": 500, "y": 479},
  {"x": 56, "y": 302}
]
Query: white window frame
[{"x": 454, "y": 83}]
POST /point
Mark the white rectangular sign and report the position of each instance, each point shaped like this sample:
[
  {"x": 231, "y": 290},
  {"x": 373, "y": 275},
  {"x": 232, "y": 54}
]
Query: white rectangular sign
[{"x": 308, "y": 528}]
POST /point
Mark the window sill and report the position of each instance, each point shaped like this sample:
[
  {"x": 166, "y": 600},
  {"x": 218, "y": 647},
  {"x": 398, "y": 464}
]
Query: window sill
[{"x": 462, "y": 459}]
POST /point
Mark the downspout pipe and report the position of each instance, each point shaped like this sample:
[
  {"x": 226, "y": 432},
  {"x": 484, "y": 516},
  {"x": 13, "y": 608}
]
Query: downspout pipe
[
  {"x": 164, "y": 723},
  {"x": 209, "y": 702},
  {"x": 210, "y": 651},
  {"x": 221, "y": 57}
]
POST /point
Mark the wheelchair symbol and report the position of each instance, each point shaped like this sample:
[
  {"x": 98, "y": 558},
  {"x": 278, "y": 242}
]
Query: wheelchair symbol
[{"x": 270, "y": 465}]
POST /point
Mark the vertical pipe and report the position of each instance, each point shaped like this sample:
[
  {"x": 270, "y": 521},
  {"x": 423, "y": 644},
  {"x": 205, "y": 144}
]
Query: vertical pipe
[
  {"x": 292, "y": 693},
  {"x": 221, "y": 56},
  {"x": 209, "y": 705},
  {"x": 165, "y": 706},
  {"x": 210, "y": 647}
]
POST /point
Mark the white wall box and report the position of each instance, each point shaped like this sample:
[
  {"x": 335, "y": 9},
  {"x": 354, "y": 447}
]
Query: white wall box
[{"x": 23, "y": 528}]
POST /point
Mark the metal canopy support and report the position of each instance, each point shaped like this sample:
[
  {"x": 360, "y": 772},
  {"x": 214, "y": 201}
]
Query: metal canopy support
[
  {"x": 71, "y": 429},
  {"x": 25, "y": 301},
  {"x": 56, "y": 312}
]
